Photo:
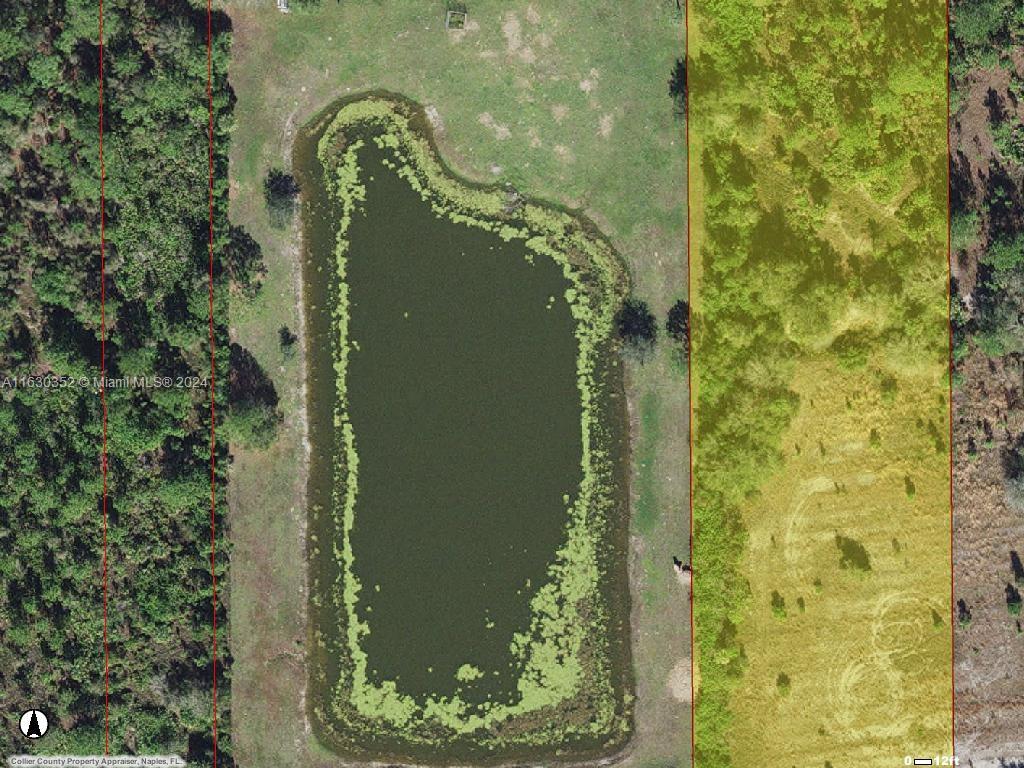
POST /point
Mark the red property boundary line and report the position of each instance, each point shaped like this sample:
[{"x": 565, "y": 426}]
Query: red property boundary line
[
  {"x": 213, "y": 374},
  {"x": 102, "y": 388},
  {"x": 689, "y": 384},
  {"x": 689, "y": 377},
  {"x": 103, "y": 393},
  {"x": 949, "y": 318}
]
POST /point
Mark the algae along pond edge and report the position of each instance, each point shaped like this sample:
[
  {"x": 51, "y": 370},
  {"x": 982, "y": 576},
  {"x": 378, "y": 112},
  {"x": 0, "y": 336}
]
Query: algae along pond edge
[{"x": 468, "y": 487}]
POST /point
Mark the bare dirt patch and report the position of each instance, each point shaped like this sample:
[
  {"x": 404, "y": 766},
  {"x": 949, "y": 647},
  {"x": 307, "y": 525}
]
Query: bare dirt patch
[
  {"x": 436, "y": 121},
  {"x": 564, "y": 153},
  {"x": 680, "y": 681},
  {"x": 989, "y": 651},
  {"x": 513, "y": 34},
  {"x": 501, "y": 132},
  {"x": 515, "y": 45}
]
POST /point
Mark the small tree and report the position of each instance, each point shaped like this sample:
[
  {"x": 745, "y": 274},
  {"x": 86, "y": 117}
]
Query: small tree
[
  {"x": 280, "y": 190},
  {"x": 287, "y": 340},
  {"x": 778, "y": 605},
  {"x": 963, "y": 614},
  {"x": 1013, "y": 600},
  {"x": 677, "y": 324},
  {"x": 244, "y": 261},
  {"x": 783, "y": 683},
  {"x": 253, "y": 415},
  {"x": 677, "y": 86},
  {"x": 637, "y": 327}
]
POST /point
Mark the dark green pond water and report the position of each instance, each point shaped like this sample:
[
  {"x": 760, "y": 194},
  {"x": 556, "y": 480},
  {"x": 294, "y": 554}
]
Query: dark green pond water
[{"x": 463, "y": 397}]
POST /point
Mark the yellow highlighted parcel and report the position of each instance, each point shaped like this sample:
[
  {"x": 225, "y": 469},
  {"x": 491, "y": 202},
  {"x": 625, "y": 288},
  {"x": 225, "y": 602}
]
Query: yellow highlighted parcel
[{"x": 820, "y": 356}]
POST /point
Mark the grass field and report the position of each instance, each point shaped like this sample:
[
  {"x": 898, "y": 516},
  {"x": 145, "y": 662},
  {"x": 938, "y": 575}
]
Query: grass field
[
  {"x": 848, "y": 565},
  {"x": 568, "y": 101}
]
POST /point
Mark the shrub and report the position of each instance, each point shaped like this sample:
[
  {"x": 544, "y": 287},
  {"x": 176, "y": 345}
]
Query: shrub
[
  {"x": 778, "y": 605},
  {"x": 287, "y": 340},
  {"x": 963, "y": 614},
  {"x": 1018, "y": 569},
  {"x": 963, "y": 230},
  {"x": 1013, "y": 600},
  {"x": 245, "y": 263},
  {"x": 677, "y": 86},
  {"x": 677, "y": 324},
  {"x": 280, "y": 190},
  {"x": 253, "y": 415},
  {"x": 783, "y": 683},
  {"x": 636, "y": 327},
  {"x": 1009, "y": 140},
  {"x": 852, "y": 554}
]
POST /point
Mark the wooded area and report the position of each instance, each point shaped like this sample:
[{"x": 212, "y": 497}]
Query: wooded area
[{"x": 51, "y": 525}]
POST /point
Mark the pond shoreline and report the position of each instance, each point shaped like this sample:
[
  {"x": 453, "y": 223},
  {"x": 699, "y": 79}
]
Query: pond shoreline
[{"x": 616, "y": 537}]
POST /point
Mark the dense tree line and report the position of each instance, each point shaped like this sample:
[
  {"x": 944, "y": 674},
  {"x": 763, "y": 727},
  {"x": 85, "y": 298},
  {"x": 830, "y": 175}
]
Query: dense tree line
[{"x": 155, "y": 151}]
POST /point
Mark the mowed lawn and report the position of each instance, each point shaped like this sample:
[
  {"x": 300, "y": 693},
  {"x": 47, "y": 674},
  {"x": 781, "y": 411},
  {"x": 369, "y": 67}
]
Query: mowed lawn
[{"x": 569, "y": 102}]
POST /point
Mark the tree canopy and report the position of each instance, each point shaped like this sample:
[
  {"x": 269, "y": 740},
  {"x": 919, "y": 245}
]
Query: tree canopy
[
  {"x": 157, "y": 326},
  {"x": 637, "y": 327},
  {"x": 677, "y": 324}
]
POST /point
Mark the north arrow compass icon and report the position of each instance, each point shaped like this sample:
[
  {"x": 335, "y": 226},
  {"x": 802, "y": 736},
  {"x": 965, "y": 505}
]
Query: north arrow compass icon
[{"x": 34, "y": 724}]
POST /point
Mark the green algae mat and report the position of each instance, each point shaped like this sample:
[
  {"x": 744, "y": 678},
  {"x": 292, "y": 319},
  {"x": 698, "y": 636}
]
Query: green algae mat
[
  {"x": 820, "y": 382},
  {"x": 467, "y": 527}
]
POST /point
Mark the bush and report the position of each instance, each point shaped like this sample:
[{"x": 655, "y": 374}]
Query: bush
[
  {"x": 1013, "y": 600},
  {"x": 677, "y": 86},
  {"x": 963, "y": 230},
  {"x": 1009, "y": 140},
  {"x": 975, "y": 24},
  {"x": 287, "y": 340},
  {"x": 677, "y": 324},
  {"x": 783, "y": 683},
  {"x": 963, "y": 614},
  {"x": 778, "y": 605},
  {"x": 253, "y": 415},
  {"x": 245, "y": 263},
  {"x": 636, "y": 327},
  {"x": 1013, "y": 474},
  {"x": 280, "y": 190}
]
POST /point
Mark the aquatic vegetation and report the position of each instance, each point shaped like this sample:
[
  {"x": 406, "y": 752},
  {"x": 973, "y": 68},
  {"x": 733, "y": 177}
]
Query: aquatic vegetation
[{"x": 572, "y": 690}]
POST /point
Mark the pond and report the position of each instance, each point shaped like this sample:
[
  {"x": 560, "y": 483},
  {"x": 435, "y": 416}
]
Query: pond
[{"x": 467, "y": 526}]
